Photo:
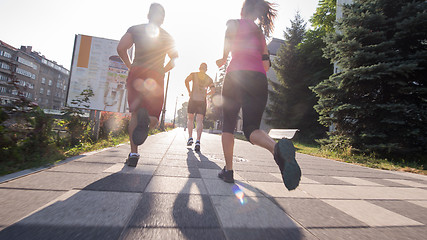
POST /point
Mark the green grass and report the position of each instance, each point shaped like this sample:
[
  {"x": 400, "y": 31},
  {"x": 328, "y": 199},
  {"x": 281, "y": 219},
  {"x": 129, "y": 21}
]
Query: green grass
[
  {"x": 55, "y": 155},
  {"x": 358, "y": 159},
  {"x": 361, "y": 159}
]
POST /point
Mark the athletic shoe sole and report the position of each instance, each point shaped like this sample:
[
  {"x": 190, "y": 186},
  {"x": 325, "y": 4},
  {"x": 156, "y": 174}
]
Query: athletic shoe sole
[
  {"x": 132, "y": 161},
  {"x": 291, "y": 173},
  {"x": 222, "y": 176},
  {"x": 140, "y": 132},
  {"x": 197, "y": 148}
]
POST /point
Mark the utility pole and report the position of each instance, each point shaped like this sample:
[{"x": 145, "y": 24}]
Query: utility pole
[
  {"x": 162, "y": 121},
  {"x": 174, "y": 113}
]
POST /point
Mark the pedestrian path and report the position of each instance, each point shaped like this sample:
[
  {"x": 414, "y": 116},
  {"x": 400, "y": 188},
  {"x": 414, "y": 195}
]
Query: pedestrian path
[{"x": 174, "y": 193}]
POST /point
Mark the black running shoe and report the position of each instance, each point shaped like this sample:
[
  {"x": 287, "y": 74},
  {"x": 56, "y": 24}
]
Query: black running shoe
[
  {"x": 226, "y": 176},
  {"x": 197, "y": 146},
  {"x": 284, "y": 155},
  {"x": 132, "y": 160},
  {"x": 140, "y": 132},
  {"x": 190, "y": 142}
]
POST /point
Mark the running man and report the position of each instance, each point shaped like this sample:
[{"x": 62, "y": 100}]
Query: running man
[
  {"x": 246, "y": 87},
  {"x": 197, "y": 102},
  {"x": 145, "y": 80}
]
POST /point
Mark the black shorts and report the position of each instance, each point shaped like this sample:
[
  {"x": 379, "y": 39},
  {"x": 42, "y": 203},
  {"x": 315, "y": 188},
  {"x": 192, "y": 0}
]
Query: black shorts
[
  {"x": 197, "y": 107},
  {"x": 247, "y": 90}
]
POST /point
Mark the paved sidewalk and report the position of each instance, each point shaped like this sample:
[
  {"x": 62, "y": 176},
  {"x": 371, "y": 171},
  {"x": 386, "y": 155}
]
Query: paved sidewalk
[{"x": 174, "y": 193}]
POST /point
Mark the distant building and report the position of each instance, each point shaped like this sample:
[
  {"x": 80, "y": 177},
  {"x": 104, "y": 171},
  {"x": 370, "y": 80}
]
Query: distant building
[{"x": 29, "y": 74}]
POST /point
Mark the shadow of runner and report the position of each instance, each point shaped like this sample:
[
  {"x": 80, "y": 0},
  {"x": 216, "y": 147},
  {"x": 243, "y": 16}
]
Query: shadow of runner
[
  {"x": 248, "y": 213},
  {"x": 194, "y": 214},
  {"x": 98, "y": 211}
]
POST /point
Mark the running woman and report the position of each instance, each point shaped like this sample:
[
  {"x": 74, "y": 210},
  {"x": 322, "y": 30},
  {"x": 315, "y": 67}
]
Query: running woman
[
  {"x": 197, "y": 103},
  {"x": 246, "y": 87},
  {"x": 145, "y": 80}
]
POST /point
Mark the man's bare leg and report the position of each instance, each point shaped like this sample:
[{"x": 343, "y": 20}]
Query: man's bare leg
[
  {"x": 199, "y": 122},
  {"x": 190, "y": 119}
]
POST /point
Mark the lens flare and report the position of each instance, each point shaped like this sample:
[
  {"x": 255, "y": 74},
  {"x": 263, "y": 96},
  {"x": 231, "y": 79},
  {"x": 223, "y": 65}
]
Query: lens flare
[
  {"x": 138, "y": 84},
  {"x": 152, "y": 30},
  {"x": 217, "y": 100},
  {"x": 239, "y": 194},
  {"x": 150, "y": 84}
]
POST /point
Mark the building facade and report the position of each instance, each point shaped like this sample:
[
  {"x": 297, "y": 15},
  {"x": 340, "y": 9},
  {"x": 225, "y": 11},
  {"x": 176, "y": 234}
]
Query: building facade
[{"x": 29, "y": 74}]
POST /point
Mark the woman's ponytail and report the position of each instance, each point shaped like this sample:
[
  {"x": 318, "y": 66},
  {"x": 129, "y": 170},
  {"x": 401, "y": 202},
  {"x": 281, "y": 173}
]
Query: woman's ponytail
[{"x": 267, "y": 16}]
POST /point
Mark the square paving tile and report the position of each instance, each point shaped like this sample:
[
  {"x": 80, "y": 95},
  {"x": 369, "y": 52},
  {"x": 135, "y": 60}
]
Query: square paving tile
[
  {"x": 404, "y": 208},
  {"x": 370, "y": 192},
  {"x": 47, "y": 180},
  {"x": 273, "y": 189},
  {"x": 258, "y": 177},
  {"x": 106, "y": 158},
  {"x": 87, "y": 208},
  {"x": 371, "y": 214},
  {"x": 326, "y": 191},
  {"x": 329, "y": 180},
  {"x": 16, "y": 204},
  {"x": 139, "y": 169},
  {"x": 174, "y": 210},
  {"x": 163, "y": 184},
  {"x": 177, "y": 172},
  {"x": 174, "y": 233},
  {"x": 208, "y": 165},
  {"x": 314, "y": 213},
  {"x": 48, "y": 232},
  {"x": 213, "y": 174},
  {"x": 121, "y": 182},
  {"x": 268, "y": 233},
  {"x": 81, "y": 167},
  {"x": 254, "y": 212},
  {"x": 395, "y": 233},
  {"x": 219, "y": 187},
  {"x": 179, "y": 163}
]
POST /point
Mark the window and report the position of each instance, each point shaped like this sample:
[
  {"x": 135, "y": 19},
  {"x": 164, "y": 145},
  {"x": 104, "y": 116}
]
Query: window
[
  {"x": 25, "y": 73},
  {"x": 48, "y": 92},
  {"x": 65, "y": 87},
  {"x": 41, "y": 90},
  {"x": 3, "y": 89},
  {"x": 43, "y": 80},
  {"x": 50, "y": 82},
  {"x": 3, "y": 77},
  {"x": 27, "y": 62},
  {"x": 7, "y": 55},
  {"x": 15, "y": 92},
  {"x": 58, "y": 84},
  {"x": 5, "y": 66}
]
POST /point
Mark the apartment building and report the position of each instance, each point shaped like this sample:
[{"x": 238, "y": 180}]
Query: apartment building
[{"x": 29, "y": 74}]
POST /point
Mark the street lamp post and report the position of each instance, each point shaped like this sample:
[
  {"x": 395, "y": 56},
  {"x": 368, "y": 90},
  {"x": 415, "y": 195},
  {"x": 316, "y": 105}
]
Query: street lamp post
[
  {"x": 174, "y": 113},
  {"x": 162, "y": 121}
]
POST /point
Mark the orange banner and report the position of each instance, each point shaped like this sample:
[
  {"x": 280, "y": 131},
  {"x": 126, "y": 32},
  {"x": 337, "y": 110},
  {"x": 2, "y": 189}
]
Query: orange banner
[{"x": 84, "y": 51}]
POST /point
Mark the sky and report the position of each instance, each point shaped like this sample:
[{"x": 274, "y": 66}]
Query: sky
[{"x": 197, "y": 26}]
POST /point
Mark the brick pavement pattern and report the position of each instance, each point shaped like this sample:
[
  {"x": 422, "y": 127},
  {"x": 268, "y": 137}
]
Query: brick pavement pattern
[{"x": 174, "y": 193}]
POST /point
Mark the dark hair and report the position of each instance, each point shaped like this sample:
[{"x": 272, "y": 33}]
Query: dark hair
[
  {"x": 264, "y": 11},
  {"x": 155, "y": 7}
]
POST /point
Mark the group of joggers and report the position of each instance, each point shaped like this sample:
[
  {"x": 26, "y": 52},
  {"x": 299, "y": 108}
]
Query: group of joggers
[{"x": 245, "y": 85}]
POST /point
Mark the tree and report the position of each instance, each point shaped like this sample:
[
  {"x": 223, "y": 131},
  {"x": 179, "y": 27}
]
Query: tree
[
  {"x": 379, "y": 99},
  {"x": 291, "y": 99}
]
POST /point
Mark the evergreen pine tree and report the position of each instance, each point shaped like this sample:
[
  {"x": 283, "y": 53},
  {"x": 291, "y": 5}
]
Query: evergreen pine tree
[
  {"x": 379, "y": 98},
  {"x": 284, "y": 110}
]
